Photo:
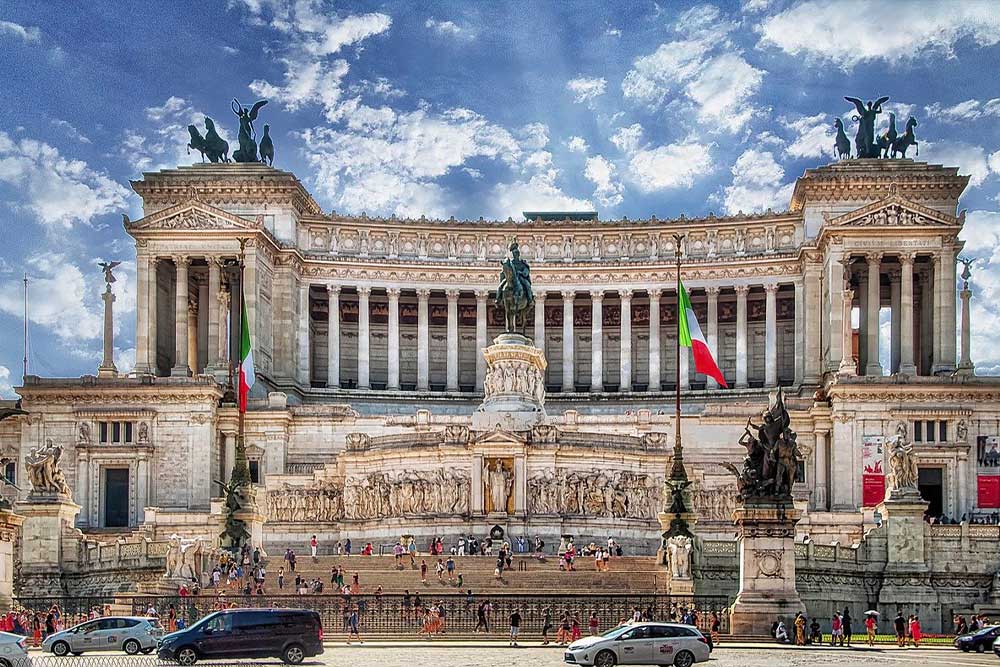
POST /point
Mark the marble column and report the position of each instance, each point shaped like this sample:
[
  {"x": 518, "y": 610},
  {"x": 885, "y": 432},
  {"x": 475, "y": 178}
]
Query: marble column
[
  {"x": 181, "y": 319},
  {"x": 364, "y": 337},
  {"x": 214, "y": 285},
  {"x": 205, "y": 307},
  {"x": 860, "y": 281},
  {"x": 625, "y": 380},
  {"x": 655, "y": 381},
  {"x": 144, "y": 359},
  {"x": 222, "y": 340},
  {"x": 847, "y": 364},
  {"x": 822, "y": 465},
  {"x": 907, "y": 365},
  {"x": 107, "y": 367},
  {"x": 836, "y": 283},
  {"x": 947, "y": 317},
  {"x": 154, "y": 264},
  {"x": 596, "y": 340},
  {"x": 540, "y": 321},
  {"x": 302, "y": 375},
  {"x": 895, "y": 296},
  {"x": 873, "y": 367},
  {"x": 800, "y": 332},
  {"x": 392, "y": 381},
  {"x": 482, "y": 337},
  {"x": 333, "y": 337},
  {"x": 192, "y": 333},
  {"x": 741, "y": 336},
  {"x": 423, "y": 340},
  {"x": 452, "y": 363},
  {"x": 771, "y": 335},
  {"x": 812, "y": 328},
  {"x": 569, "y": 361},
  {"x": 927, "y": 310},
  {"x": 713, "y": 330},
  {"x": 965, "y": 365}
]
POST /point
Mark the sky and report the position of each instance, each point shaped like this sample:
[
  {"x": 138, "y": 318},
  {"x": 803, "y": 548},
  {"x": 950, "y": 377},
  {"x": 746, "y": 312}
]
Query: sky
[{"x": 467, "y": 109}]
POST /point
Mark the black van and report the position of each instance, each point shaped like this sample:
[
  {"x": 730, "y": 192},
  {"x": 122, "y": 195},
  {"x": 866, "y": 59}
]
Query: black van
[{"x": 289, "y": 634}]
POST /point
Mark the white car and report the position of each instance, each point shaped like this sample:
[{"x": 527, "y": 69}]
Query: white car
[
  {"x": 641, "y": 644},
  {"x": 131, "y": 634},
  {"x": 13, "y": 650}
]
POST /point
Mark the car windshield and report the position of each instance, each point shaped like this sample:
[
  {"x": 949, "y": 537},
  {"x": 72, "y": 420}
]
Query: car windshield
[
  {"x": 614, "y": 632},
  {"x": 987, "y": 630},
  {"x": 200, "y": 625}
]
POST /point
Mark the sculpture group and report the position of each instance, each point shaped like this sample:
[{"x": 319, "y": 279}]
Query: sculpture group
[
  {"x": 216, "y": 149},
  {"x": 44, "y": 474},
  {"x": 514, "y": 294},
  {"x": 597, "y": 493},
  {"x": 772, "y": 458},
  {"x": 867, "y": 144},
  {"x": 380, "y": 495}
]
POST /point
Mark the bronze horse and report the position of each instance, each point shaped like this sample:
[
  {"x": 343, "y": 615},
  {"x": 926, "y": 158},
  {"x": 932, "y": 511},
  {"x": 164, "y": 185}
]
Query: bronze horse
[
  {"x": 906, "y": 140},
  {"x": 842, "y": 144},
  {"x": 514, "y": 300},
  {"x": 211, "y": 145},
  {"x": 885, "y": 140}
]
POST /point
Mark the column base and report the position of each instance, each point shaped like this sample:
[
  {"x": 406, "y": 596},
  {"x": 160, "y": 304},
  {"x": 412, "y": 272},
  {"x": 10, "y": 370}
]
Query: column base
[
  {"x": 907, "y": 369},
  {"x": 847, "y": 368},
  {"x": 966, "y": 368},
  {"x": 873, "y": 369},
  {"x": 107, "y": 371},
  {"x": 180, "y": 371}
]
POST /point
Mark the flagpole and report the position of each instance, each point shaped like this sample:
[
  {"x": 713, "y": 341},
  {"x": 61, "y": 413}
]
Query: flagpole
[
  {"x": 241, "y": 468},
  {"x": 25, "y": 373},
  {"x": 678, "y": 480}
]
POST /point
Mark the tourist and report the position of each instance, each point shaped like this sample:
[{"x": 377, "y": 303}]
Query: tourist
[
  {"x": 291, "y": 560},
  {"x": 871, "y": 626},
  {"x": 961, "y": 626},
  {"x": 815, "y": 633},
  {"x": 565, "y": 629},
  {"x": 515, "y": 626},
  {"x": 845, "y": 624},
  {"x": 412, "y": 549},
  {"x": 715, "y": 627},
  {"x": 836, "y": 630},
  {"x": 482, "y": 617},
  {"x": 521, "y": 546},
  {"x": 575, "y": 630},
  {"x": 780, "y": 633},
  {"x": 313, "y": 548},
  {"x": 340, "y": 548},
  {"x": 594, "y": 624},
  {"x": 800, "y": 629},
  {"x": 460, "y": 581},
  {"x": 900, "y": 625},
  {"x": 450, "y": 567},
  {"x": 915, "y": 631},
  {"x": 367, "y": 550},
  {"x": 539, "y": 545},
  {"x": 347, "y": 547},
  {"x": 355, "y": 585},
  {"x": 171, "y": 619},
  {"x": 442, "y": 617},
  {"x": 352, "y": 626},
  {"x": 406, "y": 605},
  {"x": 423, "y": 571},
  {"x": 439, "y": 570},
  {"x": 546, "y": 625}
]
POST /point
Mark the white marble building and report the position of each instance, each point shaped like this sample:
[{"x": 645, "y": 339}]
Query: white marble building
[{"x": 368, "y": 333}]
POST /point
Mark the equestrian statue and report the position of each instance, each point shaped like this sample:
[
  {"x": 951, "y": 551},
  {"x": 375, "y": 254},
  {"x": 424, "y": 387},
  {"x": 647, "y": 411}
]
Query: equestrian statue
[
  {"x": 216, "y": 149},
  {"x": 514, "y": 294},
  {"x": 868, "y": 144}
]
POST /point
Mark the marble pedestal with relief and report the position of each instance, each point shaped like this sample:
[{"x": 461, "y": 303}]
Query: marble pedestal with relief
[
  {"x": 10, "y": 524},
  {"x": 766, "y": 536},
  {"x": 514, "y": 386},
  {"x": 47, "y": 521}
]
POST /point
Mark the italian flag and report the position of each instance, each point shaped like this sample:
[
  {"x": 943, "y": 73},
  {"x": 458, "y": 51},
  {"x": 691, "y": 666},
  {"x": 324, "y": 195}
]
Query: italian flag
[
  {"x": 247, "y": 376},
  {"x": 691, "y": 336}
]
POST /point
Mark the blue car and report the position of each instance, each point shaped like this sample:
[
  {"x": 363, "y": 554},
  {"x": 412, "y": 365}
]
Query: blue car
[{"x": 979, "y": 641}]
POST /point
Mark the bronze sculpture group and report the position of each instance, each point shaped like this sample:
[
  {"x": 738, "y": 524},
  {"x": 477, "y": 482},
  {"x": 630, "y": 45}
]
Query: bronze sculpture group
[
  {"x": 216, "y": 149},
  {"x": 772, "y": 458},
  {"x": 867, "y": 144},
  {"x": 514, "y": 293}
]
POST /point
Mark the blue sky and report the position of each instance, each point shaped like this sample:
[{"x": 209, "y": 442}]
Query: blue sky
[{"x": 466, "y": 109}]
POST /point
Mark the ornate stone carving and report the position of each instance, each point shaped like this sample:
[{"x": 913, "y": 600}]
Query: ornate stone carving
[
  {"x": 713, "y": 503},
  {"x": 184, "y": 558},
  {"x": 544, "y": 434},
  {"x": 356, "y": 441},
  {"x": 768, "y": 562},
  {"x": 679, "y": 550},
  {"x": 499, "y": 481},
  {"x": 597, "y": 493},
  {"x": 456, "y": 434},
  {"x": 142, "y": 433},
  {"x": 772, "y": 455},
  {"x": 515, "y": 375},
  {"x": 320, "y": 503},
  {"x": 902, "y": 478},
  {"x": 83, "y": 435},
  {"x": 411, "y": 493},
  {"x": 44, "y": 474}
]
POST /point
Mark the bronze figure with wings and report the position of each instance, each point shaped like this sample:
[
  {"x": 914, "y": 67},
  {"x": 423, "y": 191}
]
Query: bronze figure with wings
[{"x": 248, "y": 136}]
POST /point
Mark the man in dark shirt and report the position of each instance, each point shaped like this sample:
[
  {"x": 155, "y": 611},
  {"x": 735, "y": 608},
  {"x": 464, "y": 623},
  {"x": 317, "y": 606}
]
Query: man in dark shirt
[
  {"x": 515, "y": 626},
  {"x": 900, "y": 624}
]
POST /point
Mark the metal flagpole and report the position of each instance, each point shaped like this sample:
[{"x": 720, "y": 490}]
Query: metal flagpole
[
  {"x": 678, "y": 480},
  {"x": 25, "y": 373},
  {"x": 241, "y": 468}
]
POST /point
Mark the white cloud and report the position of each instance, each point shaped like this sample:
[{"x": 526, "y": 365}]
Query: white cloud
[
  {"x": 533, "y": 136},
  {"x": 71, "y": 130},
  {"x": 756, "y": 184},
  {"x": 829, "y": 31},
  {"x": 6, "y": 388},
  {"x": 447, "y": 28},
  {"x": 62, "y": 299},
  {"x": 577, "y": 144},
  {"x": 669, "y": 166},
  {"x": 627, "y": 138},
  {"x": 601, "y": 173},
  {"x": 813, "y": 136},
  {"x": 537, "y": 193},
  {"x": 22, "y": 32},
  {"x": 586, "y": 89},
  {"x": 964, "y": 111},
  {"x": 124, "y": 359},
  {"x": 981, "y": 234},
  {"x": 612, "y": 32},
  {"x": 59, "y": 192},
  {"x": 756, "y": 5},
  {"x": 971, "y": 160}
]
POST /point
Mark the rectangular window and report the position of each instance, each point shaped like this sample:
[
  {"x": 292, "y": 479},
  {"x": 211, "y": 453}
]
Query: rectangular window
[
  {"x": 254, "y": 471},
  {"x": 116, "y": 432},
  {"x": 128, "y": 432},
  {"x": 103, "y": 427},
  {"x": 918, "y": 435},
  {"x": 943, "y": 431},
  {"x": 930, "y": 431},
  {"x": 10, "y": 472}
]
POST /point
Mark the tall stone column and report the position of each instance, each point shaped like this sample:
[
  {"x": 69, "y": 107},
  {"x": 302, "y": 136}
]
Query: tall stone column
[
  {"x": 907, "y": 366},
  {"x": 569, "y": 360},
  {"x": 947, "y": 317},
  {"x": 181, "y": 319},
  {"x": 107, "y": 367},
  {"x": 302, "y": 368},
  {"x": 713, "y": 329},
  {"x": 741, "y": 336},
  {"x": 965, "y": 365},
  {"x": 836, "y": 284},
  {"x": 333, "y": 337},
  {"x": 821, "y": 462},
  {"x": 540, "y": 321},
  {"x": 812, "y": 330},
  {"x": 423, "y": 340},
  {"x": 847, "y": 364},
  {"x": 928, "y": 308},
  {"x": 154, "y": 264},
  {"x": 212, "y": 306},
  {"x": 895, "y": 296},
  {"x": 596, "y": 340},
  {"x": 873, "y": 367},
  {"x": 222, "y": 341},
  {"x": 205, "y": 307},
  {"x": 364, "y": 337},
  {"x": 771, "y": 335},
  {"x": 655, "y": 381},
  {"x": 482, "y": 337},
  {"x": 142, "y": 313},
  {"x": 392, "y": 382},
  {"x": 192, "y": 333},
  {"x": 625, "y": 381},
  {"x": 799, "y": 332},
  {"x": 452, "y": 369}
]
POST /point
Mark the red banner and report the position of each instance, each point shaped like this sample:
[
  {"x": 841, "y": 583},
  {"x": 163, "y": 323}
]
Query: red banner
[
  {"x": 872, "y": 471},
  {"x": 989, "y": 491},
  {"x": 872, "y": 490}
]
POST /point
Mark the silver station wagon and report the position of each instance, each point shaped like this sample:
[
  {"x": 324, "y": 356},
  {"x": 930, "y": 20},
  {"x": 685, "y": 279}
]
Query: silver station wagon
[
  {"x": 641, "y": 644},
  {"x": 132, "y": 634}
]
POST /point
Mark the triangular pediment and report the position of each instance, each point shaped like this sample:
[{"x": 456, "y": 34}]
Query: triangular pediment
[
  {"x": 500, "y": 437},
  {"x": 193, "y": 215},
  {"x": 893, "y": 211}
]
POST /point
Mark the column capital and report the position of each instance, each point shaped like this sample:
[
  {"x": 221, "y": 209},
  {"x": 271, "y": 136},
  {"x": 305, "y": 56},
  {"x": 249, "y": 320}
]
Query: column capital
[
  {"x": 452, "y": 294},
  {"x": 423, "y": 294},
  {"x": 655, "y": 293},
  {"x": 597, "y": 294},
  {"x": 568, "y": 294},
  {"x": 333, "y": 290},
  {"x": 625, "y": 294},
  {"x": 540, "y": 294},
  {"x": 770, "y": 288},
  {"x": 848, "y": 295},
  {"x": 894, "y": 275},
  {"x": 713, "y": 291},
  {"x": 907, "y": 258},
  {"x": 181, "y": 260},
  {"x": 364, "y": 291},
  {"x": 393, "y": 292},
  {"x": 482, "y": 294},
  {"x": 874, "y": 257},
  {"x": 742, "y": 290}
]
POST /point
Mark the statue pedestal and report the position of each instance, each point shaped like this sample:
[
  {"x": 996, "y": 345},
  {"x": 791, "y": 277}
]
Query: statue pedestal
[
  {"x": 47, "y": 520},
  {"x": 767, "y": 567},
  {"x": 10, "y": 524},
  {"x": 903, "y": 518},
  {"x": 514, "y": 386}
]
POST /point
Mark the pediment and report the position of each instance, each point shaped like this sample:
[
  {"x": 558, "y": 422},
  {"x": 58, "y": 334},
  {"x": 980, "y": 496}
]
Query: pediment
[
  {"x": 894, "y": 211},
  {"x": 500, "y": 437},
  {"x": 193, "y": 215}
]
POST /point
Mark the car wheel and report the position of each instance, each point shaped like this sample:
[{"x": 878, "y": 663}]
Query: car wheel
[
  {"x": 605, "y": 659},
  {"x": 60, "y": 649},
  {"x": 293, "y": 654},
  {"x": 131, "y": 646},
  {"x": 965, "y": 649},
  {"x": 980, "y": 648},
  {"x": 684, "y": 659},
  {"x": 4, "y": 662},
  {"x": 187, "y": 656}
]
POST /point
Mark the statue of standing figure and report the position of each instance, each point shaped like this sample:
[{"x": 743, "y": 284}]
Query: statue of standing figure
[
  {"x": 248, "y": 136},
  {"x": 865, "y": 142},
  {"x": 499, "y": 482},
  {"x": 679, "y": 549}
]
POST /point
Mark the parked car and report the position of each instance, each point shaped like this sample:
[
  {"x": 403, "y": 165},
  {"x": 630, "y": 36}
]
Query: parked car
[
  {"x": 290, "y": 634},
  {"x": 13, "y": 650},
  {"x": 132, "y": 634},
  {"x": 980, "y": 640},
  {"x": 641, "y": 644}
]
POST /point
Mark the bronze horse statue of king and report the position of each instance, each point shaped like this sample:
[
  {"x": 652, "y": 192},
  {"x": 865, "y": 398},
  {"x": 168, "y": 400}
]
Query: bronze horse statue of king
[{"x": 514, "y": 293}]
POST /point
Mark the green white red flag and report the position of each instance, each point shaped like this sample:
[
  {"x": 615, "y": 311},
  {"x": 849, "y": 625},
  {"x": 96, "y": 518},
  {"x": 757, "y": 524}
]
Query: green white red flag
[
  {"x": 691, "y": 336},
  {"x": 247, "y": 376}
]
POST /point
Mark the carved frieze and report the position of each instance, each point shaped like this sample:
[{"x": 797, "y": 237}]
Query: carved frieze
[{"x": 596, "y": 493}]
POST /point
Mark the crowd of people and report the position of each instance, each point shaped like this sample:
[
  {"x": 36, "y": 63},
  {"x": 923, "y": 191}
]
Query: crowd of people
[{"x": 978, "y": 622}]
